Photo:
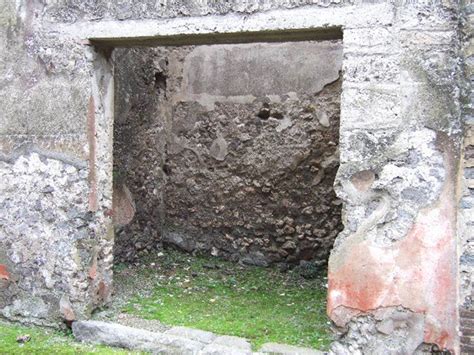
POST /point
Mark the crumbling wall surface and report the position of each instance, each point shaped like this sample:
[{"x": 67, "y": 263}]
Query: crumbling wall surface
[
  {"x": 239, "y": 158},
  {"x": 77, "y": 10},
  {"x": 52, "y": 243},
  {"x": 466, "y": 211},
  {"x": 253, "y": 152},
  {"x": 57, "y": 115},
  {"x": 48, "y": 221},
  {"x": 400, "y": 138},
  {"x": 139, "y": 149}
]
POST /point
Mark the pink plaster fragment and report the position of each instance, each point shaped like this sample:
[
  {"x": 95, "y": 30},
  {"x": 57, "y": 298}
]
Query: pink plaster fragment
[{"x": 417, "y": 272}]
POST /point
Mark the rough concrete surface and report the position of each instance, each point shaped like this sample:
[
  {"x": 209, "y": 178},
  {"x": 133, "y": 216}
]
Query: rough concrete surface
[
  {"x": 282, "y": 349},
  {"x": 406, "y": 200},
  {"x": 230, "y": 175},
  {"x": 121, "y": 336},
  {"x": 177, "y": 340},
  {"x": 466, "y": 210}
]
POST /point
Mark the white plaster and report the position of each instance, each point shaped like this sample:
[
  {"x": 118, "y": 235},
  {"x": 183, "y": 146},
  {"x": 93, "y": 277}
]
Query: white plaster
[{"x": 308, "y": 17}]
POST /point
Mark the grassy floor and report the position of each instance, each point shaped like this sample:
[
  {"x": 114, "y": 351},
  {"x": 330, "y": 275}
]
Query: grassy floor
[
  {"x": 46, "y": 342},
  {"x": 261, "y": 304}
]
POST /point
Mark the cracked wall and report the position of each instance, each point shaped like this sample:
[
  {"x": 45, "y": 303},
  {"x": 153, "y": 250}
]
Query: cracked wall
[
  {"x": 466, "y": 193},
  {"x": 398, "y": 183},
  {"x": 235, "y": 165},
  {"x": 54, "y": 249},
  {"x": 400, "y": 138}
]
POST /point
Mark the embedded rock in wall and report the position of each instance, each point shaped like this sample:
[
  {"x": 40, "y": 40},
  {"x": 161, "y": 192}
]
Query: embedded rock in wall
[
  {"x": 234, "y": 152},
  {"x": 391, "y": 331},
  {"x": 76, "y": 10},
  {"x": 139, "y": 145},
  {"x": 250, "y": 184},
  {"x": 46, "y": 243},
  {"x": 402, "y": 75},
  {"x": 123, "y": 205},
  {"x": 398, "y": 181}
]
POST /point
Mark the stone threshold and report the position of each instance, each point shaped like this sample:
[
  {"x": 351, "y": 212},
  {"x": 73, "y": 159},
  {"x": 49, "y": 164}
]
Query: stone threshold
[{"x": 176, "y": 340}]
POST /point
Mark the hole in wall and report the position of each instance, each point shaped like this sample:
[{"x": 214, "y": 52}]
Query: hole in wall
[{"x": 228, "y": 152}]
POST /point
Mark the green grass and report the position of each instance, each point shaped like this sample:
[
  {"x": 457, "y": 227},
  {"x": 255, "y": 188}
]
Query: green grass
[
  {"x": 260, "y": 304},
  {"x": 45, "y": 341}
]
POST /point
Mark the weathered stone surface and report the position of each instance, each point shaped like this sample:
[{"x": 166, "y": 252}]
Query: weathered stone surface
[
  {"x": 194, "y": 334},
  {"x": 388, "y": 331},
  {"x": 406, "y": 55},
  {"x": 177, "y": 340},
  {"x": 103, "y": 9},
  {"x": 152, "y": 325},
  {"x": 233, "y": 342},
  {"x": 123, "y": 205},
  {"x": 217, "y": 349},
  {"x": 283, "y": 349},
  {"x": 52, "y": 216},
  {"x": 216, "y": 173},
  {"x": 466, "y": 211},
  {"x": 132, "y": 338},
  {"x": 226, "y": 344},
  {"x": 261, "y": 69},
  {"x": 66, "y": 309}
]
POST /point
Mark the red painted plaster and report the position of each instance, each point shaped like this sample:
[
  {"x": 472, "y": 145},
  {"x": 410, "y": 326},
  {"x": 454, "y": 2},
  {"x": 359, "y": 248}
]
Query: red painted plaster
[
  {"x": 123, "y": 205},
  {"x": 92, "y": 138},
  {"x": 93, "y": 271},
  {"x": 4, "y": 274},
  {"x": 417, "y": 272}
]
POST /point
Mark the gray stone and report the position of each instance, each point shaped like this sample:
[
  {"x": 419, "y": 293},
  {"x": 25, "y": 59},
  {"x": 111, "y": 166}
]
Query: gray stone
[
  {"x": 218, "y": 149},
  {"x": 219, "y": 349},
  {"x": 179, "y": 240},
  {"x": 193, "y": 334},
  {"x": 112, "y": 334},
  {"x": 233, "y": 342},
  {"x": 389, "y": 331},
  {"x": 198, "y": 183},
  {"x": 407, "y": 68},
  {"x": 239, "y": 76},
  {"x": 129, "y": 320},
  {"x": 255, "y": 258},
  {"x": 467, "y": 202},
  {"x": 283, "y": 349}
]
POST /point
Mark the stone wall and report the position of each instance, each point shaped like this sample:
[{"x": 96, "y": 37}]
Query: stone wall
[
  {"x": 397, "y": 180},
  {"x": 55, "y": 246},
  {"x": 230, "y": 149},
  {"x": 394, "y": 271},
  {"x": 466, "y": 212},
  {"x": 79, "y": 10}
]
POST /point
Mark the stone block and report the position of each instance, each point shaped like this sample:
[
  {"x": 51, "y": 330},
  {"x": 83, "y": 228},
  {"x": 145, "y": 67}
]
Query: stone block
[
  {"x": 123, "y": 205},
  {"x": 378, "y": 40},
  {"x": 378, "y": 68},
  {"x": 4, "y": 274},
  {"x": 467, "y": 331},
  {"x": 112, "y": 334},
  {"x": 467, "y": 202},
  {"x": 13, "y": 118},
  {"x": 283, "y": 349},
  {"x": 193, "y": 334},
  {"x": 365, "y": 106},
  {"x": 218, "y": 349},
  {"x": 233, "y": 341},
  {"x": 426, "y": 39}
]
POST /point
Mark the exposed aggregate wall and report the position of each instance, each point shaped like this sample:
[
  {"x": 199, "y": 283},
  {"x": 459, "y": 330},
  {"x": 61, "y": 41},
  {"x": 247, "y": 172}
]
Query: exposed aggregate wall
[
  {"x": 240, "y": 166},
  {"x": 393, "y": 274},
  {"x": 466, "y": 211}
]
